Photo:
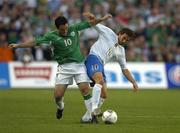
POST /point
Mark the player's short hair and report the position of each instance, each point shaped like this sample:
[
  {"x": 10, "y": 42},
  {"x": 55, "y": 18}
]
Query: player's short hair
[
  {"x": 128, "y": 31},
  {"x": 61, "y": 20}
]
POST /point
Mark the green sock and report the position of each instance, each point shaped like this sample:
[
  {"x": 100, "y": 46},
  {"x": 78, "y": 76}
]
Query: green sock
[{"x": 87, "y": 96}]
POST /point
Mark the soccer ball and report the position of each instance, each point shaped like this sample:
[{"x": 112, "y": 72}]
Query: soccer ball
[{"x": 109, "y": 117}]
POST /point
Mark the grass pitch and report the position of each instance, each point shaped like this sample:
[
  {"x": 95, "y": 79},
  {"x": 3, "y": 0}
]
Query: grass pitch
[{"x": 33, "y": 111}]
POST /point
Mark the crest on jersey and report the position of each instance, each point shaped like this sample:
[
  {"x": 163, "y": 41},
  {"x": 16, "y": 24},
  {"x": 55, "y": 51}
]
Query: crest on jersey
[{"x": 72, "y": 33}]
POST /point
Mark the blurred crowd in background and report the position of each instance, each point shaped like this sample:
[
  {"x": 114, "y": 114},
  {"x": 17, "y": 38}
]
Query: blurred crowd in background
[{"x": 156, "y": 22}]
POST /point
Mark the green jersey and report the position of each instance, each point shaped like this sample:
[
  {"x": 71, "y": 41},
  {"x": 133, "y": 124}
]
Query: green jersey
[{"x": 66, "y": 49}]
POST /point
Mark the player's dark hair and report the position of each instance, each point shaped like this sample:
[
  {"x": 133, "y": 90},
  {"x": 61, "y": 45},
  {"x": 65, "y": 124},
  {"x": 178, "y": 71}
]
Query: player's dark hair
[
  {"x": 128, "y": 31},
  {"x": 61, "y": 20}
]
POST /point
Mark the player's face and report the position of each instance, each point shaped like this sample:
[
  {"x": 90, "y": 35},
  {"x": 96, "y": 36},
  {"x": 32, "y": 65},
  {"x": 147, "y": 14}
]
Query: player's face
[
  {"x": 123, "y": 38},
  {"x": 63, "y": 29}
]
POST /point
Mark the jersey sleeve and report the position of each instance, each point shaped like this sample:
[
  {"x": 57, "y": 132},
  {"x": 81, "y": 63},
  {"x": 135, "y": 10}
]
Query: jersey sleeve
[
  {"x": 122, "y": 60},
  {"x": 106, "y": 33},
  {"x": 102, "y": 29},
  {"x": 81, "y": 26},
  {"x": 46, "y": 38}
]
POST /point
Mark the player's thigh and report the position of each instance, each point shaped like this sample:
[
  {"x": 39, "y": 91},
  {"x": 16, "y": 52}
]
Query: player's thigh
[
  {"x": 80, "y": 73},
  {"x": 60, "y": 90},
  {"x": 61, "y": 83},
  {"x": 93, "y": 65},
  {"x": 81, "y": 78},
  {"x": 64, "y": 78},
  {"x": 98, "y": 78}
]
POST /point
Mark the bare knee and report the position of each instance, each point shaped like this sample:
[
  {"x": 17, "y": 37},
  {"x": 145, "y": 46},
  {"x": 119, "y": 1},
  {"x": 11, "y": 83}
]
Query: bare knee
[
  {"x": 84, "y": 88},
  {"x": 98, "y": 78},
  {"x": 59, "y": 91}
]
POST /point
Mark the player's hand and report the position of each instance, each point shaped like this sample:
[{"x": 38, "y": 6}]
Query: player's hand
[
  {"x": 13, "y": 45},
  {"x": 89, "y": 15},
  {"x": 135, "y": 87},
  {"x": 106, "y": 17}
]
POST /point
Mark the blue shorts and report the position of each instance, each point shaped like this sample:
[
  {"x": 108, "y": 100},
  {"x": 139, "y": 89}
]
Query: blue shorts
[{"x": 93, "y": 65}]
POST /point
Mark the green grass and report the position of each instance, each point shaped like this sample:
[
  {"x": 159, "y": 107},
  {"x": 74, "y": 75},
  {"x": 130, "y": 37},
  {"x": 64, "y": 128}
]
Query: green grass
[{"x": 33, "y": 111}]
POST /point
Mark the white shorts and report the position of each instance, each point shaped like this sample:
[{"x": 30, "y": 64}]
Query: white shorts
[{"x": 67, "y": 72}]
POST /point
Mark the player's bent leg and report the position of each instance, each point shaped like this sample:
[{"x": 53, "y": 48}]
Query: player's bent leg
[
  {"x": 96, "y": 92},
  {"x": 102, "y": 100},
  {"x": 84, "y": 88},
  {"x": 58, "y": 95},
  {"x": 98, "y": 78}
]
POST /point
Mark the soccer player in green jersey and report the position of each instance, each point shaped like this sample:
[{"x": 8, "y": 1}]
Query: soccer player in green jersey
[{"x": 66, "y": 51}]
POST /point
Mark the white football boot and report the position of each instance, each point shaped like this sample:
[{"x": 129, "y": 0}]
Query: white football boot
[{"x": 86, "y": 117}]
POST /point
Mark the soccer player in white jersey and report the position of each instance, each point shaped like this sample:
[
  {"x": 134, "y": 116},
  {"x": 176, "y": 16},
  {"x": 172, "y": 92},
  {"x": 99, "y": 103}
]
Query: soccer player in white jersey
[{"x": 108, "y": 47}]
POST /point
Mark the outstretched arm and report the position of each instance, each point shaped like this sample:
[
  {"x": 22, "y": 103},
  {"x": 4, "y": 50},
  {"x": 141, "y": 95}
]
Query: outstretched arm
[
  {"x": 93, "y": 20},
  {"x": 128, "y": 75},
  {"x": 27, "y": 44}
]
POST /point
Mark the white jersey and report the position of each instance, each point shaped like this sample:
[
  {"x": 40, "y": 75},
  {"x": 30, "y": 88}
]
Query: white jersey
[{"x": 107, "y": 47}]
